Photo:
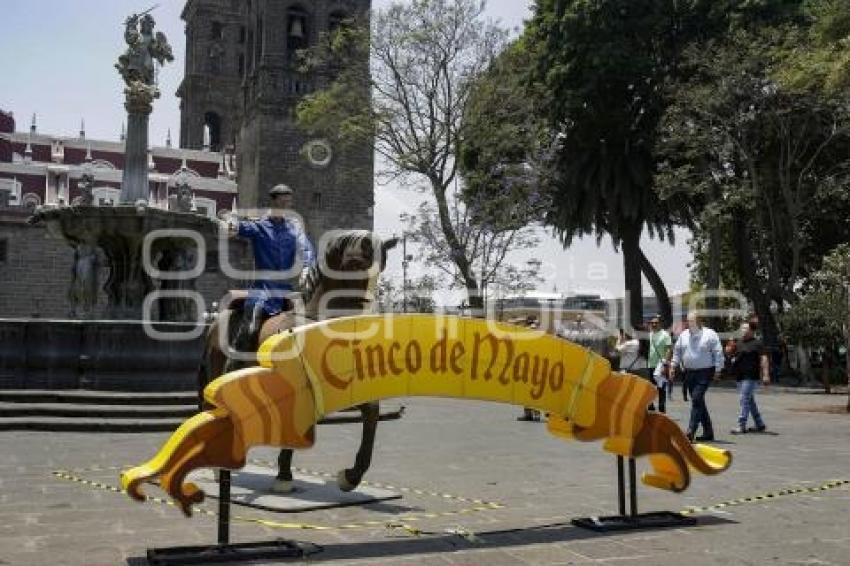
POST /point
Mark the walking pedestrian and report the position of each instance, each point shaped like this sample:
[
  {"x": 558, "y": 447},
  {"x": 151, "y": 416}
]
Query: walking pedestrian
[
  {"x": 660, "y": 353},
  {"x": 749, "y": 363},
  {"x": 699, "y": 353},
  {"x": 629, "y": 349}
]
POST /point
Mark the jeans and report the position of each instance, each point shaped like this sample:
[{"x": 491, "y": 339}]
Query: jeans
[
  {"x": 747, "y": 391},
  {"x": 698, "y": 381}
]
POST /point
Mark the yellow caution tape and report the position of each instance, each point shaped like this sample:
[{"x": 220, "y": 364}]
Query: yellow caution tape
[
  {"x": 483, "y": 506},
  {"x": 832, "y": 484}
]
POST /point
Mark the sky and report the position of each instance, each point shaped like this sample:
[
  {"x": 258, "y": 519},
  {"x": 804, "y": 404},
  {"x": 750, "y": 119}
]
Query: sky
[{"x": 57, "y": 58}]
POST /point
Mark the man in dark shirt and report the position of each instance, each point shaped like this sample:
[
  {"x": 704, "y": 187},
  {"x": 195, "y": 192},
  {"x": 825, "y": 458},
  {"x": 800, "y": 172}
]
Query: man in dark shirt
[{"x": 748, "y": 363}]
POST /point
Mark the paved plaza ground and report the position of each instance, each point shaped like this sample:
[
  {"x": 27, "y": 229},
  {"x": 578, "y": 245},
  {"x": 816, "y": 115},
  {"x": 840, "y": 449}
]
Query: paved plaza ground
[{"x": 466, "y": 467}]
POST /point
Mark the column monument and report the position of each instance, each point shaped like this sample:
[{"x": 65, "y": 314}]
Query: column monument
[{"x": 138, "y": 68}]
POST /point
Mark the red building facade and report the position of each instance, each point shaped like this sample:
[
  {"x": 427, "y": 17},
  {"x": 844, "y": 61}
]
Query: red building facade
[{"x": 40, "y": 169}]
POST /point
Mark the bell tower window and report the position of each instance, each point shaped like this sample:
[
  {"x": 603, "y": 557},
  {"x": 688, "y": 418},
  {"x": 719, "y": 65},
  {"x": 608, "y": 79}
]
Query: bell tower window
[
  {"x": 216, "y": 31},
  {"x": 297, "y": 30},
  {"x": 212, "y": 131}
]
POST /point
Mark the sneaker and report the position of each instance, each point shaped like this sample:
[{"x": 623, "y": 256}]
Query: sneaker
[
  {"x": 738, "y": 430},
  {"x": 690, "y": 436},
  {"x": 760, "y": 428},
  {"x": 705, "y": 438}
]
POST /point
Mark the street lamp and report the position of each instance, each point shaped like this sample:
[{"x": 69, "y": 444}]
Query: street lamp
[{"x": 406, "y": 259}]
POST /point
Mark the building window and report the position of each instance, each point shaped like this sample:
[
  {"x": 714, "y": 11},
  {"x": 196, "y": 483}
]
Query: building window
[
  {"x": 13, "y": 188},
  {"x": 297, "y": 30},
  {"x": 212, "y": 130},
  {"x": 4, "y": 251},
  {"x": 217, "y": 31},
  {"x": 241, "y": 64},
  {"x": 317, "y": 201},
  {"x": 243, "y": 34}
]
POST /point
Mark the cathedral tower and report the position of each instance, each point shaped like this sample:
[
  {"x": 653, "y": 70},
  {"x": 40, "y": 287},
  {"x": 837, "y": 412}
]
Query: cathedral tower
[
  {"x": 334, "y": 186},
  {"x": 211, "y": 90}
]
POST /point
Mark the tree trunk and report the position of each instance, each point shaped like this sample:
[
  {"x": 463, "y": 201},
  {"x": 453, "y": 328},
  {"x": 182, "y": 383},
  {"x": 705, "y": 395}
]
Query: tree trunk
[
  {"x": 825, "y": 370},
  {"x": 746, "y": 261},
  {"x": 630, "y": 244},
  {"x": 715, "y": 245},
  {"x": 476, "y": 301},
  {"x": 660, "y": 290},
  {"x": 847, "y": 364}
]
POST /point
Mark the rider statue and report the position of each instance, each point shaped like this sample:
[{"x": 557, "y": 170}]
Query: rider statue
[{"x": 280, "y": 244}]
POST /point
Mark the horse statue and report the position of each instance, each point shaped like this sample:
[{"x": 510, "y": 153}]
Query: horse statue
[{"x": 361, "y": 255}]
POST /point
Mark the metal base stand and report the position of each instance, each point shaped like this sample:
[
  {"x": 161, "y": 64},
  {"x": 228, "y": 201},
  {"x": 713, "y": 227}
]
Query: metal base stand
[
  {"x": 224, "y": 551},
  {"x": 633, "y": 520},
  {"x": 244, "y": 552}
]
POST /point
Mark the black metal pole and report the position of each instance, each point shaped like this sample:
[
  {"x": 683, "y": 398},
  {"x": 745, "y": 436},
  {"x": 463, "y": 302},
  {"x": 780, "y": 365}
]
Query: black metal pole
[
  {"x": 404, "y": 272},
  {"x": 621, "y": 486},
  {"x": 223, "y": 507},
  {"x": 633, "y": 487}
]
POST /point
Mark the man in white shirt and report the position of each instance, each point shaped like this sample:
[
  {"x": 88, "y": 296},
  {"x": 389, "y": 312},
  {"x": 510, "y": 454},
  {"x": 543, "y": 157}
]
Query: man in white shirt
[{"x": 698, "y": 353}]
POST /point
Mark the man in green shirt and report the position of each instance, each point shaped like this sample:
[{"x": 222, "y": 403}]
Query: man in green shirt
[{"x": 660, "y": 352}]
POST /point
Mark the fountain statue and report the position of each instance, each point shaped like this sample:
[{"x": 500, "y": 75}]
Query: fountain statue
[
  {"x": 110, "y": 276},
  {"x": 137, "y": 67},
  {"x": 117, "y": 233}
]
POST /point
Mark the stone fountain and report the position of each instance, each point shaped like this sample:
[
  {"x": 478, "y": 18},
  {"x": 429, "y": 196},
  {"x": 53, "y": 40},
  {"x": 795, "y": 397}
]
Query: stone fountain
[
  {"x": 119, "y": 232},
  {"x": 99, "y": 354}
]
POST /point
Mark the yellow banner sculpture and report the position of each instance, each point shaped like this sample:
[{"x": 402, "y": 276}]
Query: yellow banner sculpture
[{"x": 317, "y": 369}]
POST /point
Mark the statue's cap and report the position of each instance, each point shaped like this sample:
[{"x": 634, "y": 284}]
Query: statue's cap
[{"x": 280, "y": 190}]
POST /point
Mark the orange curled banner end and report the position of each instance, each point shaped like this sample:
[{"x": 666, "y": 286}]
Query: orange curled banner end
[{"x": 318, "y": 369}]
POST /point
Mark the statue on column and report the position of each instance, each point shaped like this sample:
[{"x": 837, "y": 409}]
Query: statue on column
[{"x": 136, "y": 65}]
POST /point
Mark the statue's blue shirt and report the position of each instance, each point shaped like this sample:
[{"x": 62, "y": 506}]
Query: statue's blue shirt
[{"x": 277, "y": 244}]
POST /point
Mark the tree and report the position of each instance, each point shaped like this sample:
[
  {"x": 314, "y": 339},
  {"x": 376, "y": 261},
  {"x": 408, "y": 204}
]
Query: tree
[
  {"x": 425, "y": 56},
  {"x": 605, "y": 65},
  {"x": 765, "y": 163},
  {"x": 486, "y": 243},
  {"x": 420, "y": 295},
  {"x": 824, "y": 63},
  {"x": 506, "y": 143},
  {"x": 821, "y": 319}
]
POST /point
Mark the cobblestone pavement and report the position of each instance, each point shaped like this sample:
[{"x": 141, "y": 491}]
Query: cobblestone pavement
[{"x": 465, "y": 467}]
